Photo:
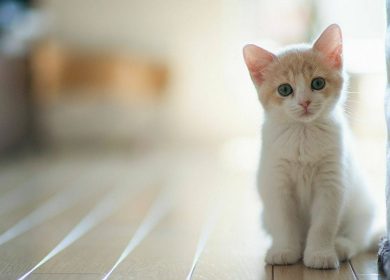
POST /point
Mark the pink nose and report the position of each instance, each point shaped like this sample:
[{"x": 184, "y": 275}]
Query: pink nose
[{"x": 305, "y": 104}]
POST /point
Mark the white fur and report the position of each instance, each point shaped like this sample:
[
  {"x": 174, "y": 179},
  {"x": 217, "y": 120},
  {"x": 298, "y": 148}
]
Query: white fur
[{"x": 316, "y": 204}]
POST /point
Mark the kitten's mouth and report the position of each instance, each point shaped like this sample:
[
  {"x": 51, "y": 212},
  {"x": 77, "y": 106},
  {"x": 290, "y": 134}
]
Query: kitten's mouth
[{"x": 307, "y": 115}]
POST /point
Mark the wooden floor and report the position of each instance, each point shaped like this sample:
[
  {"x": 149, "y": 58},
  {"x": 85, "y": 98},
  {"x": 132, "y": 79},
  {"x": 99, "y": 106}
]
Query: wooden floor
[{"x": 156, "y": 215}]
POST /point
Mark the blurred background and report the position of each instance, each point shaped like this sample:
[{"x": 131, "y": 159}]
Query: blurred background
[
  {"x": 82, "y": 73},
  {"x": 122, "y": 78}
]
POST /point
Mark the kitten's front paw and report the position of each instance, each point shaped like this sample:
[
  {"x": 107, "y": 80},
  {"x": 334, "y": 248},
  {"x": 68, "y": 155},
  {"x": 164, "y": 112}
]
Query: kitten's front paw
[
  {"x": 321, "y": 259},
  {"x": 282, "y": 256}
]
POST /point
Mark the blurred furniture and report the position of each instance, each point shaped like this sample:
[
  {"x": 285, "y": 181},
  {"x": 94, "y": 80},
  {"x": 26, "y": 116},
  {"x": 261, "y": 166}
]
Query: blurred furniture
[
  {"x": 15, "y": 109},
  {"x": 95, "y": 97},
  {"x": 57, "y": 70},
  {"x": 18, "y": 26}
]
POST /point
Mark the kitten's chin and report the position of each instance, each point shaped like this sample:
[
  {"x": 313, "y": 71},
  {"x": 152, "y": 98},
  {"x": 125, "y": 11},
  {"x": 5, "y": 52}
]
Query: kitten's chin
[{"x": 306, "y": 117}]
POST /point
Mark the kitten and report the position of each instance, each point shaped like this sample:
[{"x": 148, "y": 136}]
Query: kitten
[{"x": 316, "y": 205}]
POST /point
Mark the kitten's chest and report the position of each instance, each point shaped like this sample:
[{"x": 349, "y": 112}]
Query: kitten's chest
[
  {"x": 302, "y": 177},
  {"x": 304, "y": 144}
]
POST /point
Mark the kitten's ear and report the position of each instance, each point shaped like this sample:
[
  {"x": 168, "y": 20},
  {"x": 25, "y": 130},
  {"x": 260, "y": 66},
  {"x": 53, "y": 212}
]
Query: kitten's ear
[
  {"x": 330, "y": 43},
  {"x": 256, "y": 60}
]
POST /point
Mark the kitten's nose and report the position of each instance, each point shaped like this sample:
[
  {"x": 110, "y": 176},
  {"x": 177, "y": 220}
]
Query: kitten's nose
[{"x": 305, "y": 104}]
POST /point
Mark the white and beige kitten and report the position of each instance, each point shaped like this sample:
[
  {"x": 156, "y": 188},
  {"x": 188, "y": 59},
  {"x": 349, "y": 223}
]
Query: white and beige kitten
[{"x": 316, "y": 204}]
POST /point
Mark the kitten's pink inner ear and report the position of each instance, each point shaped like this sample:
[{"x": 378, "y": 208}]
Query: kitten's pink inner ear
[
  {"x": 256, "y": 60},
  {"x": 330, "y": 44}
]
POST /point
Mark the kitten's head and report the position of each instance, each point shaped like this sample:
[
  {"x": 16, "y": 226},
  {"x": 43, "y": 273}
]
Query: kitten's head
[{"x": 301, "y": 83}]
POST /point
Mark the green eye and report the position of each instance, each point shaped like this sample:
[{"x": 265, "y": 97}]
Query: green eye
[
  {"x": 317, "y": 83},
  {"x": 285, "y": 90}
]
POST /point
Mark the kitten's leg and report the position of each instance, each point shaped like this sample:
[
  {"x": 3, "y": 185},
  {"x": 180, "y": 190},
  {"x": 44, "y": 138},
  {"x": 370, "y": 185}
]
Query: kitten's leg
[
  {"x": 356, "y": 233},
  {"x": 325, "y": 218},
  {"x": 280, "y": 219}
]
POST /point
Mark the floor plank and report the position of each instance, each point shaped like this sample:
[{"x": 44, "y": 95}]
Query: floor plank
[
  {"x": 365, "y": 266},
  {"x": 86, "y": 193},
  {"x": 25, "y": 251},
  {"x": 299, "y": 271},
  {"x": 236, "y": 244},
  {"x": 172, "y": 245},
  {"x": 95, "y": 250},
  {"x": 64, "y": 276}
]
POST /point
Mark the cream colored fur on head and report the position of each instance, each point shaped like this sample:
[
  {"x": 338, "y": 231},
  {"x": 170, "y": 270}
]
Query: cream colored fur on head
[{"x": 316, "y": 204}]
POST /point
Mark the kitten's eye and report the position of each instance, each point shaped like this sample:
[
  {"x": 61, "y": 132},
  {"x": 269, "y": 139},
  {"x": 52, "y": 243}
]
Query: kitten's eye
[
  {"x": 285, "y": 90},
  {"x": 317, "y": 83}
]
